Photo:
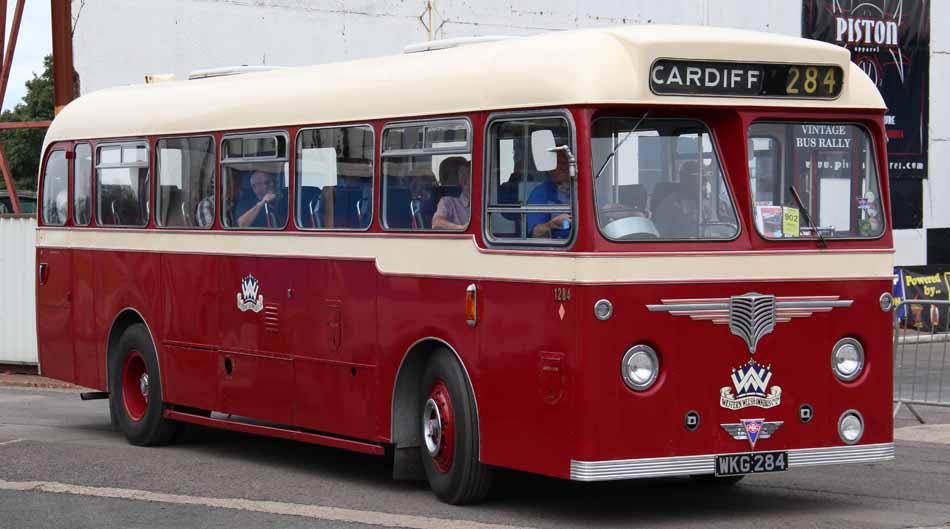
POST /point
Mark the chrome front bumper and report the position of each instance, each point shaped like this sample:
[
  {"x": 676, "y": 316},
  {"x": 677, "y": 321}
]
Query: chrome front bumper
[{"x": 706, "y": 464}]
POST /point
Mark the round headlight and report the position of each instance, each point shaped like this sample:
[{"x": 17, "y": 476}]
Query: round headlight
[
  {"x": 603, "y": 309},
  {"x": 887, "y": 302},
  {"x": 847, "y": 359},
  {"x": 640, "y": 367},
  {"x": 850, "y": 427}
]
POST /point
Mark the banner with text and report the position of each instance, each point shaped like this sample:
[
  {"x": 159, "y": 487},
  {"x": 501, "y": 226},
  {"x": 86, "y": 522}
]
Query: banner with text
[
  {"x": 890, "y": 41},
  {"x": 923, "y": 283}
]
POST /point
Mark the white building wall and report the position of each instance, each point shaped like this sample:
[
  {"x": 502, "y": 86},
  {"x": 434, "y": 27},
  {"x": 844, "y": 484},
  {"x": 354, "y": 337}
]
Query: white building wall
[
  {"x": 117, "y": 42},
  {"x": 18, "y": 310},
  {"x": 936, "y": 189}
]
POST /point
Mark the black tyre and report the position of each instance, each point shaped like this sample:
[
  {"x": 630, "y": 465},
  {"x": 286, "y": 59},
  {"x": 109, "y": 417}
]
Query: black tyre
[
  {"x": 450, "y": 433},
  {"x": 135, "y": 389}
]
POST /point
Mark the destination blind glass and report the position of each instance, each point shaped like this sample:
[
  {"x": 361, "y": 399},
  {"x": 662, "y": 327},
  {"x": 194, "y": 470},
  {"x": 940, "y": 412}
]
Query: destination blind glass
[{"x": 674, "y": 77}]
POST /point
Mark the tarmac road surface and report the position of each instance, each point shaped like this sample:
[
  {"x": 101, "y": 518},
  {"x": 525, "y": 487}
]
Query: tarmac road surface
[{"x": 62, "y": 466}]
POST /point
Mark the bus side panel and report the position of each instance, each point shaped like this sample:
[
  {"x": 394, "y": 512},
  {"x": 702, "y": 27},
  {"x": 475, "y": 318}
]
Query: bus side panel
[
  {"x": 90, "y": 361},
  {"x": 527, "y": 333},
  {"x": 127, "y": 280},
  {"x": 411, "y": 309},
  {"x": 254, "y": 341},
  {"x": 334, "y": 347},
  {"x": 54, "y": 306},
  {"x": 190, "y": 329}
]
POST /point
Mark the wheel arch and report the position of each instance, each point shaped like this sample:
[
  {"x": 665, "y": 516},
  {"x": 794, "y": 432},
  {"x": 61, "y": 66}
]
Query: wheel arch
[
  {"x": 405, "y": 421},
  {"x": 124, "y": 319}
]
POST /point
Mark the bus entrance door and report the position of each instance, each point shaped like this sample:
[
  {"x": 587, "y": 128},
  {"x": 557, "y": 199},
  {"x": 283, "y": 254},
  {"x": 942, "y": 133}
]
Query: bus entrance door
[{"x": 54, "y": 301}]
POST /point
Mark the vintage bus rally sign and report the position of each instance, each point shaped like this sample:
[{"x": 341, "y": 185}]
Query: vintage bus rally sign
[{"x": 680, "y": 77}]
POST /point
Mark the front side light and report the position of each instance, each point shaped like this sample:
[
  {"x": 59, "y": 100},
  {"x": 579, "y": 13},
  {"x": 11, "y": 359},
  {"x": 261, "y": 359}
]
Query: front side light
[
  {"x": 603, "y": 309},
  {"x": 847, "y": 359},
  {"x": 640, "y": 367},
  {"x": 850, "y": 427}
]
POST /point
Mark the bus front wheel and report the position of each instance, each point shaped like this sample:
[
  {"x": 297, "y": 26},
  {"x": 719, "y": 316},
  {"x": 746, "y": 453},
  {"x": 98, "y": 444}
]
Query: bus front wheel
[
  {"x": 450, "y": 433},
  {"x": 135, "y": 389}
]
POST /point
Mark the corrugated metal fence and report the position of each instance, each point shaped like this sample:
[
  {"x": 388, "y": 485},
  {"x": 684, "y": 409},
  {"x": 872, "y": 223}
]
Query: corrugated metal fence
[{"x": 17, "y": 295}]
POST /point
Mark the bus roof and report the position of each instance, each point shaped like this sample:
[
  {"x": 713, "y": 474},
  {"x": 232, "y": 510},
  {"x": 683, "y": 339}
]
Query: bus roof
[{"x": 592, "y": 66}]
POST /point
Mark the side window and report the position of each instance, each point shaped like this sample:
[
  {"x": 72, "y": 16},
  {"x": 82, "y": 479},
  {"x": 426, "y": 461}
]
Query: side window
[
  {"x": 56, "y": 189},
  {"x": 335, "y": 178},
  {"x": 427, "y": 175},
  {"x": 255, "y": 181},
  {"x": 185, "y": 197},
  {"x": 530, "y": 190},
  {"x": 122, "y": 184},
  {"x": 82, "y": 185}
]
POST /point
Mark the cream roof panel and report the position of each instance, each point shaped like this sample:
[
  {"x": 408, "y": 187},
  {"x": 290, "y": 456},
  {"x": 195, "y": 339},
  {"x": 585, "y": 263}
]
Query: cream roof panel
[{"x": 600, "y": 66}]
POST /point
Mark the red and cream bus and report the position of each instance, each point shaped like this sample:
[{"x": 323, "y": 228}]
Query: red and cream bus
[{"x": 595, "y": 255}]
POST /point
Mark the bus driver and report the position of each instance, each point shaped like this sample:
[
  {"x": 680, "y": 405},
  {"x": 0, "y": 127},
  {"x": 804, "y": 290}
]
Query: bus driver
[
  {"x": 556, "y": 189},
  {"x": 266, "y": 212}
]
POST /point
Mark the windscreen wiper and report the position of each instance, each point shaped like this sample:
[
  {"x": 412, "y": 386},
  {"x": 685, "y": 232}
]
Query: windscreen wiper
[
  {"x": 821, "y": 240},
  {"x": 624, "y": 140}
]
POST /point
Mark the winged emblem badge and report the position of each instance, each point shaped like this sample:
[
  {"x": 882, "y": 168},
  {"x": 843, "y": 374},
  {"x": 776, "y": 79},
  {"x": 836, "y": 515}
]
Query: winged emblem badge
[{"x": 752, "y": 315}]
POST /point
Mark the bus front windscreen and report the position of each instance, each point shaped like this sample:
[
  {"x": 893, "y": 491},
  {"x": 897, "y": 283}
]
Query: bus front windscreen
[
  {"x": 659, "y": 179},
  {"x": 808, "y": 177}
]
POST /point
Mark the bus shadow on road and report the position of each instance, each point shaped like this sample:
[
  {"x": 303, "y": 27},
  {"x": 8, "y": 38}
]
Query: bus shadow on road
[
  {"x": 651, "y": 500},
  {"x": 663, "y": 499}
]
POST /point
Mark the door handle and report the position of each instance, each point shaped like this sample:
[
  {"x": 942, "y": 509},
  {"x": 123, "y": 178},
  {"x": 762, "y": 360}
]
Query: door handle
[{"x": 43, "y": 273}]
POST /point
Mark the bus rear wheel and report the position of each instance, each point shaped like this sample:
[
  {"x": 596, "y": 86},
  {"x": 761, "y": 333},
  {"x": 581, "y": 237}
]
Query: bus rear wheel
[
  {"x": 450, "y": 434},
  {"x": 135, "y": 389}
]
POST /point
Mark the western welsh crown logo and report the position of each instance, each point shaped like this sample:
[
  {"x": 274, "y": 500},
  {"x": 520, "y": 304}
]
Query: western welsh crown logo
[
  {"x": 751, "y": 382},
  {"x": 248, "y": 298}
]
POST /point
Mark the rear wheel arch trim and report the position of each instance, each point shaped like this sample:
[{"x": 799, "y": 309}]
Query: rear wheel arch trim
[{"x": 114, "y": 337}]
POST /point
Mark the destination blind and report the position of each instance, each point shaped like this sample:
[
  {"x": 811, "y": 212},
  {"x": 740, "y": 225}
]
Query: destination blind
[{"x": 709, "y": 78}]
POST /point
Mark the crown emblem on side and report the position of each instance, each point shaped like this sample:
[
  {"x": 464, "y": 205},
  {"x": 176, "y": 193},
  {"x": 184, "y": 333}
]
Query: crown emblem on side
[
  {"x": 750, "y": 316},
  {"x": 248, "y": 298}
]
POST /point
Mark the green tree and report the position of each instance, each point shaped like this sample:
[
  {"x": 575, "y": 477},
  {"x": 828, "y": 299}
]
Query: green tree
[{"x": 22, "y": 146}]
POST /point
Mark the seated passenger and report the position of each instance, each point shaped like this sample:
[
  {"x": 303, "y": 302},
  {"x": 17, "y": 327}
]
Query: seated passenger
[
  {"x": 204, "y": 212},
  {"x": 556, "y": 189},
  {"x": 677, "y": 214},
  {"x": 266, "y": 209},
  {"x": 453, "y": 213}
]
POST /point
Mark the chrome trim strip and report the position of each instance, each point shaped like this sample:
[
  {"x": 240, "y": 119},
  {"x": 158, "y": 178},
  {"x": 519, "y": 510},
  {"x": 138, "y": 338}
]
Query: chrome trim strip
[{"x": 706, "y": 464}]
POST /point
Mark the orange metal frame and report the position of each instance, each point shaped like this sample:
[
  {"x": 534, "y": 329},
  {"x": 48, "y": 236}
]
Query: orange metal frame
[{"x": 62, "y": 72}]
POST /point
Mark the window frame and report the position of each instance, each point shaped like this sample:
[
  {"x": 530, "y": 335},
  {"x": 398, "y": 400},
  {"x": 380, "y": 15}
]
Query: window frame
[
  {"x": 297, "y": 151},
  {"x": 469, "y": 149},
  {"x": 528, "y": 242},
  {"x": 714, "y": 142},
  {"x": 158, "y": 179},
  {"x": 73, "y": 194},
  {"x": 148, "y": 174},
  {"x": 41, "y": 200},
  {"x": 222, "y": 162},
  {"x": 874, "y": 158}
]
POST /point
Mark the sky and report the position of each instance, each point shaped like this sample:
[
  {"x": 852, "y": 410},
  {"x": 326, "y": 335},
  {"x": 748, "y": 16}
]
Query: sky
[{"x": 34, "y": 43}]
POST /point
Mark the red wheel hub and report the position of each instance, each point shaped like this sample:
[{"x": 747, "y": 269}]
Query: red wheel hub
[
  {"x": 135, "y": 385},
  {"x": 439, "y": 427}
]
